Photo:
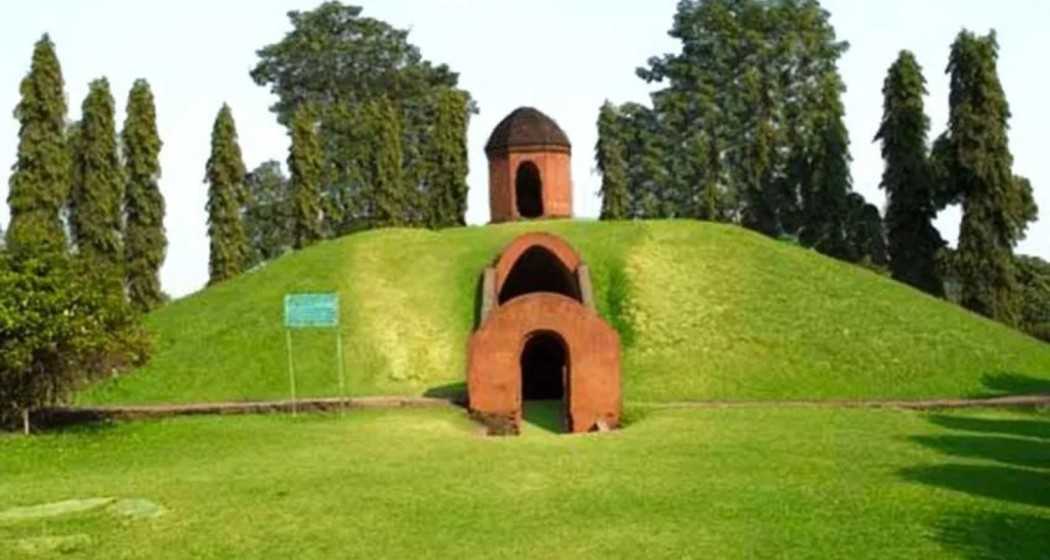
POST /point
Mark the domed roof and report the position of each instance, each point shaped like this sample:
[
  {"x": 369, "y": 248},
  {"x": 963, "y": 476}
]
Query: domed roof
[{"x": 526, "y": 127}]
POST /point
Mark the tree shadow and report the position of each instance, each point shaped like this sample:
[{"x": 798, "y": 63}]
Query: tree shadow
[
  {"x": 1008, "y": 484},
  {"x": 1023, "y": 428},
  {"x": 987, "y": 536},
  {"x": 455, "y": 392},
  {"x": 1006, "y": 460},
  {"x": 1010, "y": 383},
  {"x": 70, "y": 421},
  {"x": 1016, "y": 451},
  {"x": 546, "y": 415}
]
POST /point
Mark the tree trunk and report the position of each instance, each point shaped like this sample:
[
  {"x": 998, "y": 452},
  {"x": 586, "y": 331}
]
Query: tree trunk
[{"x": 25, "y": 420}]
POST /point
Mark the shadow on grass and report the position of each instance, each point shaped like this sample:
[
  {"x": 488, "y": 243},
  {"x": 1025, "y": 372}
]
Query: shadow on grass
[
  {"x": 1008, "y": 484},
  {"x": 1022, "y": 428},
  {"x": 988, "y": 536},
  {"x": 68, "y": 421},
  {"x": 455, "y": 392},
  {"x": 546, "y": 415},
  {"x": 1009, "y": 383},
  {"x": 1005, "y": 460},
  {"x": 1021, "y": 452}
]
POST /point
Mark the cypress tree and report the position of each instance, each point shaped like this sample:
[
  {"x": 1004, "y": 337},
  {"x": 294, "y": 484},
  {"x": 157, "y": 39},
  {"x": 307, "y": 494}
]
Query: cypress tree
[
  {"x": 977, "y": 168},
  {"x": 447, "y": 148},
  {"x": 611, "y": 159},
  {"x": 96, "y": 198},
  {"x": 907, "y": 180},
  {"x": 826, "y": 181},
  {"x": 647, "y": 155},
  {"x": 305, "y": 160},
  {"x": 347, "y": 143},
  {"x": 388, "y": 186},
  {"x": 227, "y": 196},
  {"x": 145, "y": 242},
  {"x": 40, "y": 178}
]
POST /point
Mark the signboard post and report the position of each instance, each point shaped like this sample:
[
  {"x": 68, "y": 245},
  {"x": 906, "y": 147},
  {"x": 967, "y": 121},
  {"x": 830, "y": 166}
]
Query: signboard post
[{"x": 309, "y": 311}]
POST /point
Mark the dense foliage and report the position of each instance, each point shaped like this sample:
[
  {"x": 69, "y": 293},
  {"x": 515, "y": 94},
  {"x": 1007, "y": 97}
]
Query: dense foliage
[
  {"x": 611, "y": 158},
  {"x": 63, "y": 322},
  {"x": 227, "y": 196},
  {"x": 748, "y": 128},
  {"x": 97, "y": 196},
  {"x": 385, "y": 172},
  {"x": 446, "y": 161},
  {"x": 306, "y": 165},
  {"x": 910, "y": 190},
  {"x": 1033, "y": 277},
  {"x": 974, "y": 167},
  {"x": 40, "y": 177},
  {"x": 865, "y": 237},
  {"x": 353, "y": 69},
  {"x": 268, "y": 215},
  {"x": 145, "y": 242}
]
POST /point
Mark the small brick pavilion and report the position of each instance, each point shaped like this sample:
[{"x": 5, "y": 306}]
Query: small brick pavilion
[
  {"x": 539, "y": 336},
  {"x": 529, "y": 168}
]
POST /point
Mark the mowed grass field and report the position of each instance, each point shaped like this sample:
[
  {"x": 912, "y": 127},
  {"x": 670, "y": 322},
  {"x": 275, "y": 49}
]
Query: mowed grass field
[
  {"x": 704, "y": 311},
  {"x": 760, "y": 482}
]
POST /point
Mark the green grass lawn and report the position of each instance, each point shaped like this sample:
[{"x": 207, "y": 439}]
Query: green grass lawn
[
  {"x": 705, "y": 311},
  {"x": 734, "y": 483}
]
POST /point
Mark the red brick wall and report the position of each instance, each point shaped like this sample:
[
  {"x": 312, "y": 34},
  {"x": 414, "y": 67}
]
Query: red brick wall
[
  {"x": 494, "y": 370},
  {"x": 555, "y": 174}
]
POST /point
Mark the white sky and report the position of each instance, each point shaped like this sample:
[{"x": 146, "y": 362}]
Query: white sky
[{"x": 563, "y": 57}]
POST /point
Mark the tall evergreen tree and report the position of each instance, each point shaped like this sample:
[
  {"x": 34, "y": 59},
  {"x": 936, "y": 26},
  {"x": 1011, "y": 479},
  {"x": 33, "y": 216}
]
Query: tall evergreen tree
[
  {"x": 97, "y": 196},
  {"x": 388, "y": 186},
  {"x": 344, "y": 135},
  {"x": 447, "y": 165},
  {"x": 305, "y": 160},
  {"x": 40, "y": 178},
  {"x": 227, "y": 197},
  {"x": 611, "y": 159},
  {"x": 826, "y": 182},
  {"x": 145, "y": 242},
  {"x": 976, "y": 168},
  {"x": 649, "y": 178},
  {"x": 910, "y": 192}
]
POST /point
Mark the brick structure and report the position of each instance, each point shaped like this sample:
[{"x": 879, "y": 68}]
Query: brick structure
[
  {"x": 539, "y": 337},
  {"x": 529, "y": 168}
]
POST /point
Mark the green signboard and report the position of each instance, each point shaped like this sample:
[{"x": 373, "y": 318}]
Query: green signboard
[{"x": 303, "y": 311}]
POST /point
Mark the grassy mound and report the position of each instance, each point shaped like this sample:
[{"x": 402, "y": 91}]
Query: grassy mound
[{"x": 704, "y": 311}]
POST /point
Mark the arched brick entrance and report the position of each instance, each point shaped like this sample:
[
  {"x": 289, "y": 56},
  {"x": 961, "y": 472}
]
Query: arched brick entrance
[{"x": 539, "y": 332}]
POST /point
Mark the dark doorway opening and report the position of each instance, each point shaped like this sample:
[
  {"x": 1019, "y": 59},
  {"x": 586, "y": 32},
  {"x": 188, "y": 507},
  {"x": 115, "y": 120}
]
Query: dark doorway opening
[
  {"x": 544, "y": 364},
  {"x": 545, "y": 382},
  {"x": 528, "y": 190},
  {"x": 538, "y": 270}
]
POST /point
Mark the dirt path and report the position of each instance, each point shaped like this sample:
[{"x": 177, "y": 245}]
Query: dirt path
[
  {"x": 58, "y": 416},
  {"x": 919, "y": 404}
]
